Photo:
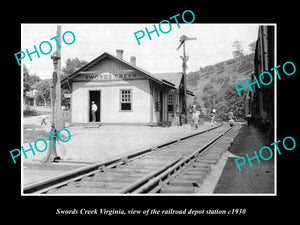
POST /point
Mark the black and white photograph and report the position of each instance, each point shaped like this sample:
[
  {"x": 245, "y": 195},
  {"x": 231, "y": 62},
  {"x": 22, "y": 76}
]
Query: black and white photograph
[{"x": 168, "y": 109}]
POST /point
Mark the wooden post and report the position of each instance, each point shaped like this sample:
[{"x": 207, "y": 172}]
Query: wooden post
[
  {"x": 56, "y": 124},
  {"x": 58, "y": 119},
  {"x": 182, "y": 40},
  {"x": 184, "y": 84}
]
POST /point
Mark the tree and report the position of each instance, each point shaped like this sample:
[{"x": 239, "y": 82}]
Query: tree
[
  {"x": 72, "y": 65},
  {"x": 222, "y": 109},
  {"x": 25, "y": 80},
  {"x": 210, "y": 96},
  {"x": 28, "y": 81},
  {"x": 238, "y": 54},
  {"x": 43, "y": 88},
  {"x": 223, "y": 100},
  {"x": 196, "y": 104},
  {"x": 252, "y": 46},
  {"x": 236, "y": 102}
]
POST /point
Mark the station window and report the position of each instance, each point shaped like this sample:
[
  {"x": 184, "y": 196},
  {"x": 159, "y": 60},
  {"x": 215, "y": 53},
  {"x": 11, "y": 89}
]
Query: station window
[
  {"x": 170, "y": 102},
  {"x": 126, "y": 99}
]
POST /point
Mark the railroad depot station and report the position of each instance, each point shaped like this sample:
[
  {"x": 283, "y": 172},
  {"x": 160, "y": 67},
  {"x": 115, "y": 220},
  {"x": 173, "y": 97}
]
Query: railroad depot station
[{"x": 124, "y": 93}]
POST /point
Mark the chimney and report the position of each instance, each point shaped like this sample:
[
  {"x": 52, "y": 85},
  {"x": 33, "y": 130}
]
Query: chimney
[
  {"x": 119, "y": 54},
  {"x": 133, "y": 60}
]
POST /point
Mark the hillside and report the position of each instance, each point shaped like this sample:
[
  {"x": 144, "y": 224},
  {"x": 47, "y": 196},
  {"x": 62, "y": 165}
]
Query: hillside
[{"x": 220, "y": 76}]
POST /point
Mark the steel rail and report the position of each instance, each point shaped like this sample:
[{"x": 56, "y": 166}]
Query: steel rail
[
  {"x": 146, "y": 178},
  {"x": 136, "y": 189},
  {"x": 60, "y": 180}
]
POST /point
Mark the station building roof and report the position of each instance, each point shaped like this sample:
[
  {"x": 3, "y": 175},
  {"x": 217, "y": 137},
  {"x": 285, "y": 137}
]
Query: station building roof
[{"x": 172, "y": 80}]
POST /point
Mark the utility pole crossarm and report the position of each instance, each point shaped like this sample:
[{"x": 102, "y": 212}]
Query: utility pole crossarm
[{"x": 183, "y": 38}]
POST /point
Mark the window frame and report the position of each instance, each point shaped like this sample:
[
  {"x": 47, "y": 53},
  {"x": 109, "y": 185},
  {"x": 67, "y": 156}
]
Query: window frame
[
  {"x": 121, "y": 102},
  {"x": 170, "y": 100}
]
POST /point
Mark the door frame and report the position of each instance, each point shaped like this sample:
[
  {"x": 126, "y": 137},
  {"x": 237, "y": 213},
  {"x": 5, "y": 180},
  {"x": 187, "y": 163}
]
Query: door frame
[{"x": 99, "y": 106}]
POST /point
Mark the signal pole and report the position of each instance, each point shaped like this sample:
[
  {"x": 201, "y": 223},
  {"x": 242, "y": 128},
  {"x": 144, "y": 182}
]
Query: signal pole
[
  {"x": 57, "y": 68},
  {"x": 184, "y": 58},
  {"x": 56, "y": 123}
]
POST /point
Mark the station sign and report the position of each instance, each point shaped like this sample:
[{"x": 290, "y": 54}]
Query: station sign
[{"x": 104, "y": 76}]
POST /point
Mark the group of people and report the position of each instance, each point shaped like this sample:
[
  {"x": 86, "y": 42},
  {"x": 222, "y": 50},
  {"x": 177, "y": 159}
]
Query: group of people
[{"x": 195, "y": 117}]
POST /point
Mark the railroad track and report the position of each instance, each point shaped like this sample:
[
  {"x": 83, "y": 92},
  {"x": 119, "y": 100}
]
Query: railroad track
[{"x": 179, "y": 166}]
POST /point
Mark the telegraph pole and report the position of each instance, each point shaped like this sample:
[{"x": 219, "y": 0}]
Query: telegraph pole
[
  {"x": 56, "y": 123},
  {"x": 58, "y": 119},
  {"x": 184, "y": 58}
]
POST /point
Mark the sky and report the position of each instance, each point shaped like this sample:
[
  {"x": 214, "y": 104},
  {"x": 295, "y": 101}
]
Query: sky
[{"x": 159, "y": 55}]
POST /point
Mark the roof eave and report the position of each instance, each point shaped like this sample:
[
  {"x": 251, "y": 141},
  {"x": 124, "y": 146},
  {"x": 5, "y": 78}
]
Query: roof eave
[{"x": 105, "y": 54}]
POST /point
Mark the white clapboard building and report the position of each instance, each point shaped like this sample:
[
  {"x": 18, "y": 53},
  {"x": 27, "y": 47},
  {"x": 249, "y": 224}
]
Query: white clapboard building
[{"x": 124, "y": 93}]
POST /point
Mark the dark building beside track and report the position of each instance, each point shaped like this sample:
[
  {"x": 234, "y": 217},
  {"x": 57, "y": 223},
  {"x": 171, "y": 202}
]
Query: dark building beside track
[{"x": 261, "y": 100}]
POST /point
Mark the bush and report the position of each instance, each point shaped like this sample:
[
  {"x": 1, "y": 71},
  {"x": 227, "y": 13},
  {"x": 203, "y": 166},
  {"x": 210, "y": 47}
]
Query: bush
[
  {"x": 230, "y": 61},
  {"x": 29, "y": 112},
  {"x": 245, "y": 66}
]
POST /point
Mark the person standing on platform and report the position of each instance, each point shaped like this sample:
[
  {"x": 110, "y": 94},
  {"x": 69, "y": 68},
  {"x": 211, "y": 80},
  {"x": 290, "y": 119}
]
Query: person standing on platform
[
  {"x": 195, "y": 117},
  {"x": 43, "y": 120},
  {"x": 94, "y": 109},
  {"x": 231, "y": 116},
  {"x": 231, "y": 122},
  {"x": 249, "y": 119},
  {"x": 213, "y": 117},
  {"x": 214, "y": 111}
]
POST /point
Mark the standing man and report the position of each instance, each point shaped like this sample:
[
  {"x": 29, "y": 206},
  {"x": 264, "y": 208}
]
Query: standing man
[
  {"x": 230, "y": 114},
  {"x": 213, "y": 117},
  {"x": 94, "y": 109},
  {"x": 43, "y": 120},
  {"x": 195, "y": 117},
  {"x": 249, "y": 119}
]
